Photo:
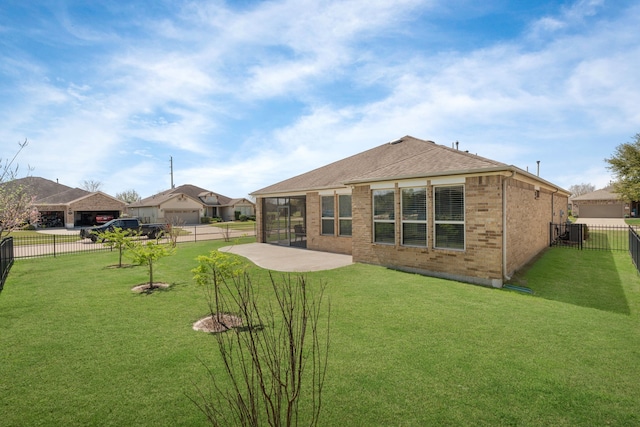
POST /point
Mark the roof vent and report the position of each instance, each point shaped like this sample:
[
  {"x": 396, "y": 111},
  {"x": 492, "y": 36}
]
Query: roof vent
[{"x": 396, "y": 141}]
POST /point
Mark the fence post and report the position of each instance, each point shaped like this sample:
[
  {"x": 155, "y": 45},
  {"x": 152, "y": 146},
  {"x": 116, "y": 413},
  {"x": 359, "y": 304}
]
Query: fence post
[{"x": 54, "y": 245}]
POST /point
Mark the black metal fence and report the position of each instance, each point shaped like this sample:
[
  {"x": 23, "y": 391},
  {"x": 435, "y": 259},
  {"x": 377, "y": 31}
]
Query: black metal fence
[
  {"x": 634, "y": 247},
  {"x": 66, "y": 242},
  {"x": 6, "y": 259},
  {"x": 590, "y": 237}
]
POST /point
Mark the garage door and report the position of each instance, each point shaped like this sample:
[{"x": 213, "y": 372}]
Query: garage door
[
  {"x": 601, "y": 211},
  {"x": 190, "y": 216}
]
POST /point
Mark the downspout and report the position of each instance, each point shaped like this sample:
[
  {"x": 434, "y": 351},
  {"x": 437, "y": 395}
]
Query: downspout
[
  {"x": 553, "y": 204},
  {"x": 504, "y": 226}
]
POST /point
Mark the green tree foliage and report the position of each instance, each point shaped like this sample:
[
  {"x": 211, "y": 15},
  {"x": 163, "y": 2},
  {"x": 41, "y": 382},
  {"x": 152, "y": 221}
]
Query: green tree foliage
[
  {"x": 625, "y": 165},
  {"x": 146, "y": 253},
  {"x": 119, "y": 239}
]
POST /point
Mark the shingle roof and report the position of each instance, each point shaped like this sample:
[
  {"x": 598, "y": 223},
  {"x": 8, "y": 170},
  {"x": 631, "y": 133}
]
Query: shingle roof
[
  {"x": 602, "y": 194},
  {"x": 407, "y": 157},
  {"x": 64, "y": 197},
  {"x": 187, "y": 189},
  {"x": 43, "y": 188}
]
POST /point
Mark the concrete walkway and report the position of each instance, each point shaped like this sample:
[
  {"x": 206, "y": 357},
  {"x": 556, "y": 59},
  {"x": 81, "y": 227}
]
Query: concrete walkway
[{"x": 281, "y": 258}]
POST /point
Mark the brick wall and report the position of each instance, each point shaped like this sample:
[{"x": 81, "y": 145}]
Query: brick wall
[
  {"x": 317, "y": 241},
  {"x": 480, "y": 262},
  {"x": 528, "y": 219},
  {"x": 259, "y": 220},
  {"x": 98, "y": 202}
]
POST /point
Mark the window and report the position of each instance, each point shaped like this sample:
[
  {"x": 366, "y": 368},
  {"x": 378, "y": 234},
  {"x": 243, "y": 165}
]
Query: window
[
  {"x": 344, "y": 214},
  {"x": 384, "y": 216},
  {"x": 328, "y": 215},
  {"x": 414, "y": 216},
  {"x": 449, "y": 217}
]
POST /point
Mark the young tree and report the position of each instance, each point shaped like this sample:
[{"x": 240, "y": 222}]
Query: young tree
[
  {"x": 580, "y": 189},
  {"x": 274, "y": 365},
  {"x": 91, "y": 185},
  {"x": 129, "y": 196},
  {"x": 146, "y": 253},
  {"x": 119, "y": 239},
  {"x": 625, "y": 165},
  {"x": 16, "y": 201}
]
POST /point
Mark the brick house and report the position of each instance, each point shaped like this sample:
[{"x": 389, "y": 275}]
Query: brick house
[
  {"x": 63, "y": 206},
  {"x": 187, "y": 204},
  {"x": 417, "y": 206},
  {"x": 603, "y": 203}
]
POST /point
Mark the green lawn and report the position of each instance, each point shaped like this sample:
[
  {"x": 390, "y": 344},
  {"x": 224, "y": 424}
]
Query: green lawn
[{"x": 77, "y": 347}]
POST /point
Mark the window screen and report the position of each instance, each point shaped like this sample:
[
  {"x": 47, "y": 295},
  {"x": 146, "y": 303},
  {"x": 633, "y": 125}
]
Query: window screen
[
  {"x": 449, "y": 217},
  {"x": 414, "y": 216},
  {"x": 384, "y": 216},
  {"x": 344, "y": 215},
  {"x": 328, "y": 215}
]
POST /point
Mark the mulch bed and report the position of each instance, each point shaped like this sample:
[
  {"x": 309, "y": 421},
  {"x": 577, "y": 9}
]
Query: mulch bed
[{"x": 217, "y": 323}]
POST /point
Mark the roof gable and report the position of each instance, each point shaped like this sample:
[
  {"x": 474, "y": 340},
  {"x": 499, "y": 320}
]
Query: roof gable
[{"x": 194, "y": 192}]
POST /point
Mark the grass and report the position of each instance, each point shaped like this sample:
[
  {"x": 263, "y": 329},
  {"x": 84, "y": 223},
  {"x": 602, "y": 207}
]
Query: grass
[
  {"x": 236, "y": 225},
  {"x": 30, "y": 237},
  {"x": 79, "y": 348}
]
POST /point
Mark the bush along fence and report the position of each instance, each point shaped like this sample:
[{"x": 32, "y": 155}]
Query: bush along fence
[
  {"x": 70, "y": 242},
  {"x": 6, "y": 259},
  {"x": 592, "y": 237}
]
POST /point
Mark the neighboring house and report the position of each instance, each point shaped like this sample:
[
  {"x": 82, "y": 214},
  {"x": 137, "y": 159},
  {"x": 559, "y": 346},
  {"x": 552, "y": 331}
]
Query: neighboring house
[
  {"x": 602, "y": 203},
  {"x": 63, "y": 206},
  {"x": 417, "y": 206},
  {"x": 187, "y": 204}
]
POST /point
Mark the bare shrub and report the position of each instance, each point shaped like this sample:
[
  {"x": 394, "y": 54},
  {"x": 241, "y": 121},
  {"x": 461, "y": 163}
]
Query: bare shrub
[{"x": 273, "y": 365}]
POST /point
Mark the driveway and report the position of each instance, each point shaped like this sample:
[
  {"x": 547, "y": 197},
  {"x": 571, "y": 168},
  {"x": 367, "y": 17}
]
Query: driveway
[
  {"x": 619, "y": 222},
  {"x": 282, "y": 258}
]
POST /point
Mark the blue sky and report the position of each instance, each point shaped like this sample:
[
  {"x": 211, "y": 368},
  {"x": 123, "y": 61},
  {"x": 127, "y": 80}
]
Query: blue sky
[{"x": 243, "y": 94}]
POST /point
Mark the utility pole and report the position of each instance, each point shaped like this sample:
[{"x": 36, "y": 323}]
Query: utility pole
[{"x": 171, "y": 166}]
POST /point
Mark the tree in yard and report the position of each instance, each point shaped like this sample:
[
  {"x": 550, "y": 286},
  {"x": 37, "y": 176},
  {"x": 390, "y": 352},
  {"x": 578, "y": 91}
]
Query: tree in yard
[
  {"x": 16, "y": 201},
  {"x": 119, "y": 239},
  {"x": 91, "y": 185},
  {"x": 129, "y": 196},
  {"x": 625, "y": 165},
  {"x": 146, "y": 253},
  {"x": 274, "y": 358},
  {"x": 580, "y": 189}
]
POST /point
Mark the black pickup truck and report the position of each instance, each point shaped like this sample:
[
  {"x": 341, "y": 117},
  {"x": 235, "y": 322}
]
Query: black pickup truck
[{"x": 150, "y": 230}]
